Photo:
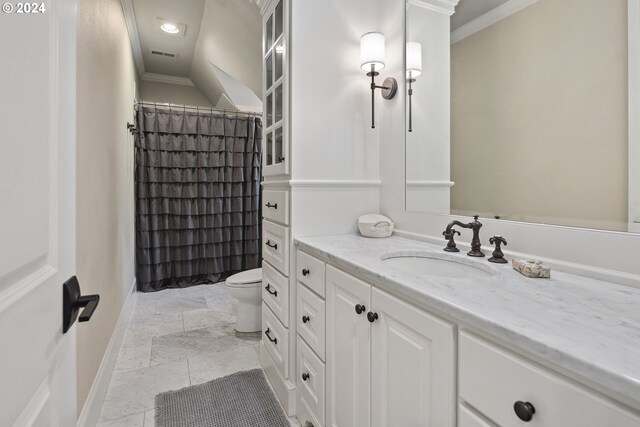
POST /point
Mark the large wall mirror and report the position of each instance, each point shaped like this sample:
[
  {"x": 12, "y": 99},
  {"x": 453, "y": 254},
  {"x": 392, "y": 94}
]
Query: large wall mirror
[{"x": 536, "y": 112}]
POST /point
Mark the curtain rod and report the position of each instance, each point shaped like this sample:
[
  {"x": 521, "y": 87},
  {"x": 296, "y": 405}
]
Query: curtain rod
[{"x": 170, "y": 106}]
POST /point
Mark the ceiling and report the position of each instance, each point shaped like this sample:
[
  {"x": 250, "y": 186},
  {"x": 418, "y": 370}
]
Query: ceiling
[
  {"x": 468, "y": 10},
  {"x": 222, "y": 42},
  {"x": 186, "y": 12}
]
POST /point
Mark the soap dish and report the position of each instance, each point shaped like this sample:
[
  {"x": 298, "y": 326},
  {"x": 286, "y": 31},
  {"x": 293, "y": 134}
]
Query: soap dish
[{"x": 531, "y": 268}]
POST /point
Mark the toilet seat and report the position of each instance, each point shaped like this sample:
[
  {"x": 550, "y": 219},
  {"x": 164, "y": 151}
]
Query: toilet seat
[{"x": 246, "y": 279}]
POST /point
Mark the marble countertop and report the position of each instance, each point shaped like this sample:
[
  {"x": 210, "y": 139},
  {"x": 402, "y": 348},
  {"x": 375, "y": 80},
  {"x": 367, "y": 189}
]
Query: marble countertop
[{"x": 587, "y": 327}]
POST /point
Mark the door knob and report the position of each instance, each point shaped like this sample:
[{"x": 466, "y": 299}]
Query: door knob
[
  {"x": 371, "y": 316},
  {"x": 72, "y": 301},
  {"x": 360, "y": 308}
]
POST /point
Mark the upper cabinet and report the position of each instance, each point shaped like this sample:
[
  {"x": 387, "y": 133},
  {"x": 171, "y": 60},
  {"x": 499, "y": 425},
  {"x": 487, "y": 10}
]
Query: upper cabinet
[{"x": 275, "y": 159}]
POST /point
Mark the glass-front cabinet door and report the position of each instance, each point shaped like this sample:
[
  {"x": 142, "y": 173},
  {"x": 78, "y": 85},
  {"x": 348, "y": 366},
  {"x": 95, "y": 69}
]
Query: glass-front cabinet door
[{"x": 276, "y": 140}]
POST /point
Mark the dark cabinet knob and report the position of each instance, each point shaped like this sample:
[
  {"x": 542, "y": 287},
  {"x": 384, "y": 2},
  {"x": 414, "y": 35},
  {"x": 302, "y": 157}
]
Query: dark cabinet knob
[
  {"x": 360, "y": 308},
  {"x": 524, "y": 410},
  {"x": 371, "y": 317},
  {"x": 305, "y": 319},
  {"x": 305, "y": 376},
  {"x": 268, "y": 288},
  {"x": 308, "y": 424},
  {"x": 305, "y": 272}
]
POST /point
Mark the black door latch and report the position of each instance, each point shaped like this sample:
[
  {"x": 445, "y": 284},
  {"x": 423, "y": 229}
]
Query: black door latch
[{"x": 72, "y": 302}]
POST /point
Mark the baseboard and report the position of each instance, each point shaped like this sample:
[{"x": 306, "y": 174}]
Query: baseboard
[
  {"x": 285, "y": 391},
  {"x": 92, "y": 406}
]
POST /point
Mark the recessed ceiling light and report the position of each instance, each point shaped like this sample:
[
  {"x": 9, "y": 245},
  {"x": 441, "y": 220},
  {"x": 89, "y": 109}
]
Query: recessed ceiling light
[{"x": 170, "y": 28}]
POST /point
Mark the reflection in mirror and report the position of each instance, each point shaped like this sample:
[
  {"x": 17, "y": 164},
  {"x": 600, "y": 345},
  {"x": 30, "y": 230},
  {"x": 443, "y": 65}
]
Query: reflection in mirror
[{"x": 520, "y": 112}]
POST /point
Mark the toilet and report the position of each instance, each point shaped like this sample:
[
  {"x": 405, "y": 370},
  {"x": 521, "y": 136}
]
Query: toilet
[{"x": 245, "y": 287}]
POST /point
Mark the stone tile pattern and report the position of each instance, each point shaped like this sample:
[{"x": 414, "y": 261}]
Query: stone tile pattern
[{"x": 174, "y": 338}]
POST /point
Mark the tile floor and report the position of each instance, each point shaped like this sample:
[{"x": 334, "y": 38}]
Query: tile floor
[{"x": 174, "y": 338}]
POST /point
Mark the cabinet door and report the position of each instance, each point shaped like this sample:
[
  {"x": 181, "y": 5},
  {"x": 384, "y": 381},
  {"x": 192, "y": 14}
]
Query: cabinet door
[
  {"x": 348, "y": 367},
  {"x": 412, "y": 371}
]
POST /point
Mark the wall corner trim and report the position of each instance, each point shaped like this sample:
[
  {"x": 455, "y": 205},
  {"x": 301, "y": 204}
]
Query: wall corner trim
[{"x": 93, "y": 405}]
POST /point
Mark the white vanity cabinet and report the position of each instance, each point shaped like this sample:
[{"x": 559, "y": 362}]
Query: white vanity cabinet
[
  {"x": 493, "y": 381},
  {"x": 389, "y": 365}
]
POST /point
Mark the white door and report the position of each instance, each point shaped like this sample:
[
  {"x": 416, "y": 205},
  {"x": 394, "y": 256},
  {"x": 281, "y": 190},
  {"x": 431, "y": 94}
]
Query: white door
[
  {"x": 348, "y": 369},
  {"x": 412, "y": 366},
  {"x": 37, "y": 215}
]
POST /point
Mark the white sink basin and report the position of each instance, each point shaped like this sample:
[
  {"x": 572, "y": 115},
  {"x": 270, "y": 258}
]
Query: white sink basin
[{"x": 440, "y": 265}]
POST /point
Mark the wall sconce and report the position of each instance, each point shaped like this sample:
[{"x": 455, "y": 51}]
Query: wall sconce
[
  {"x": 414, "y": 69},
  {"x": 372, "y": 53}
]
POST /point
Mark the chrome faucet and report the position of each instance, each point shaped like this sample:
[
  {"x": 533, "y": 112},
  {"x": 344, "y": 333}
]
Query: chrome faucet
[{"x": 475, "y": 241}]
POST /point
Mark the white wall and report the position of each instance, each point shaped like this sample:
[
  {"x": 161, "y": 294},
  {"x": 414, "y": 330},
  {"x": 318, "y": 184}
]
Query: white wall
[
  {"x": 428, "y": 154},
  {"x": 598, "y": 253},
  {"x": 230, "y": 37},
  {"x": 105, "y": 226},
  {"x": 174, "y": 94},
  {"x": 331, "y": 135}
]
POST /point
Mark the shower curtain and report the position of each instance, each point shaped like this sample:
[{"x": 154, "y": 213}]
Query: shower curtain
[{"x": 198, "y": 199}]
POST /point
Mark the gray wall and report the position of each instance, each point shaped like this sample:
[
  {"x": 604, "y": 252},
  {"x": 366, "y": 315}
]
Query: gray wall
[
  {"x": 105, "y": 230},
  {"x": 174, "y": 94},
  {"x": 539, "y": 116}
]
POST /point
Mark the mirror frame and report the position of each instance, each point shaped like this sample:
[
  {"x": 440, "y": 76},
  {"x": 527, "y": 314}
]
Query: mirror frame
[{"x": 633, "y": 41}]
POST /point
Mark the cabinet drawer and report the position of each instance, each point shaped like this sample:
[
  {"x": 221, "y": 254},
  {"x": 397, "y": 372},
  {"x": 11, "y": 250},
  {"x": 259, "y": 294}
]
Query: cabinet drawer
[
  {"x": 275, "y": 246},
  {"x": 304, "y": 415},
  {"x": 467, "y": 418},
  {"x": 275, "y": 206},
  {"x": 311, "y": 319},
  {"x": 492, "y": 380},
  {"x": 275, "y": 292},
  {"x": 276, "y": 340},
  {"x": 311, "y": 272},
  {"x": 310, "y": 380}
]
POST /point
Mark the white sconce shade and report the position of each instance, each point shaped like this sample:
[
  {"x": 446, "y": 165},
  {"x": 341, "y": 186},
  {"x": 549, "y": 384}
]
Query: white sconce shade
[
  {"x": 414, "y": 59},
  {"x": 372, "y": 51}
]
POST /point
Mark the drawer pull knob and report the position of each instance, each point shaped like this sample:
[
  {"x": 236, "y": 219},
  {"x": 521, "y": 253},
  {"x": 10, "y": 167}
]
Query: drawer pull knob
[
  {"x": 524, "y": 410},
  {"x": 305, "y": 376},
  {"x": 274, "y": 206},
  {"x": 305, "y": 319},
  {"x": 268, "y": 288},
  {"x": 308, "y": 424},
  {"x": 305, "y": 272},
  {"x": 371, "y": 316},
  {"x": 272, "y": 245},
  {"x": 273, "y": 340},
  {"x": 360, "y": 308}
]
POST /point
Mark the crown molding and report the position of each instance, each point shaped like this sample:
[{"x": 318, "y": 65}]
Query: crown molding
[
  {"x": 132, "y": 29},
  {"x": 163, "y": 78},
  {"x": 483, "y": 21},
  {"x": 446, "y": 7}
]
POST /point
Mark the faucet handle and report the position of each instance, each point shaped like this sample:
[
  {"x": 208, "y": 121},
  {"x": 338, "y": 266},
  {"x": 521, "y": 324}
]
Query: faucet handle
[
  {"x": 497, "y": 255},
  {"x": 476, "y": 216},
  {"x": 451, "y": 244}
]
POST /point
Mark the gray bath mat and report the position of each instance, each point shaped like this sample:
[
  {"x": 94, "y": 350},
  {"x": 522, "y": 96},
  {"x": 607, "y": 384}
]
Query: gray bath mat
[{"x": 243, "y": 399}]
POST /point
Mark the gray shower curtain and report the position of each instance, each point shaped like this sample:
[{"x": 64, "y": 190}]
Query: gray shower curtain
[{"x": 198, "y": 199}]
